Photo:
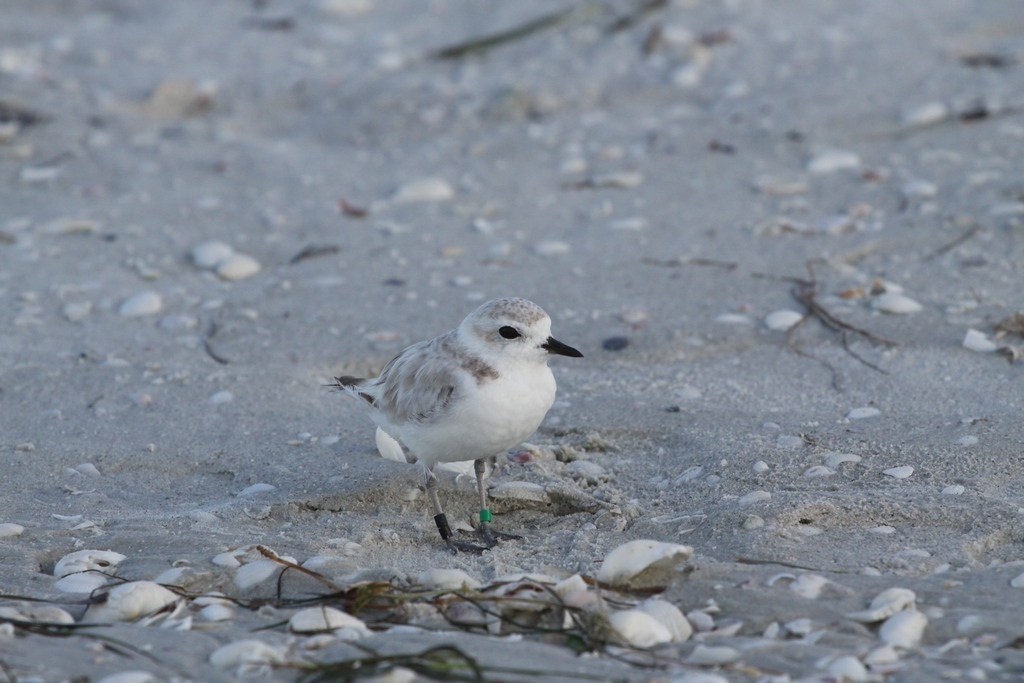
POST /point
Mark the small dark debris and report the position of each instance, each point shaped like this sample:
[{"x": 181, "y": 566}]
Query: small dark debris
[
  {"x": 673, "y": 409},
  {"x": 615, "y": 343},
  {"x": 394, "y": 282},
  {"x": 6, "y": 238},
  {"x": 974, "y": 262},
  {"x": 313, "y": 251},
  {"x": 988, "y": 60},
  {"x": 351, "y": 210},
  {"x": 1011, "y": 324},
  {"x": 718, "y": 37},
  {"x": 721, "y": 147},
  {"x": 795, "y": 136},
  {"x": 20, "y": 114},
  {"x": 271, "y": 23},
  {"x": 979, "y": 111}
]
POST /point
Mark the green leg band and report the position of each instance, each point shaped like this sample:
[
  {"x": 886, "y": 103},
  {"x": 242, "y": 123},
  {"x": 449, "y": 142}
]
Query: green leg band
[{"x": 485, "y": 515}]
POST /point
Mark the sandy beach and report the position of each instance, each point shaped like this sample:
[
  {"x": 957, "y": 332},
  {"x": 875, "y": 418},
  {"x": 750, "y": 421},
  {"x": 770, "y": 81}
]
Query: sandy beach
[{"x": 787, "y": 237}]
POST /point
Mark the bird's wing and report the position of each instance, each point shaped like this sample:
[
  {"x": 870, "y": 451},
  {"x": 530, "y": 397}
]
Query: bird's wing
[{"x": 418, "y": 385}]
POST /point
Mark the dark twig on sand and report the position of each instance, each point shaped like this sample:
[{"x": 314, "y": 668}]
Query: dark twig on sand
[
  {"x": 806, "y": 292},
  {"x": 208, "y": 344},
  {"x": 950, "y": 246},
  {"x": 484, "y": 43}
]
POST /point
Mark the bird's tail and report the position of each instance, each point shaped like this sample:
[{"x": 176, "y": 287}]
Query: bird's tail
[{"x": 351, "y": 385}]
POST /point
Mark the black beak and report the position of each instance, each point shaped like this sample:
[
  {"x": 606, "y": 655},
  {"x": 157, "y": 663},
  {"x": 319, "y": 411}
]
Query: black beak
[{"x": 552, "y": 345}]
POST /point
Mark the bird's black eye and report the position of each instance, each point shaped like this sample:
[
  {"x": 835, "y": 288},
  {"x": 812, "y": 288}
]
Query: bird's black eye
[{"x": 508, "y": 332}]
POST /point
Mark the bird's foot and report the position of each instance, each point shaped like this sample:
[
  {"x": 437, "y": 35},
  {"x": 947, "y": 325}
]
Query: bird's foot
[
  {"x": 454, "y": 546},
  {"x": 490, "y": 537}
]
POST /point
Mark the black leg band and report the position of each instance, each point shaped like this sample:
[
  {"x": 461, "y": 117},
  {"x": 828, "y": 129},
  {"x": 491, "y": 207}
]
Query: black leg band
[{"x": 442, "y": 525}]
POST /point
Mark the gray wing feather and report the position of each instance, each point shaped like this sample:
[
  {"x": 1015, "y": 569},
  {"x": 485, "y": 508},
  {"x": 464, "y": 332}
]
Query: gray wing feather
[{"x": 418, "y": 385}]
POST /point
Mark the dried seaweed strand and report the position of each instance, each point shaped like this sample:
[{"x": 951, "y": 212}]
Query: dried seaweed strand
[{"x": 493, "y": 40}]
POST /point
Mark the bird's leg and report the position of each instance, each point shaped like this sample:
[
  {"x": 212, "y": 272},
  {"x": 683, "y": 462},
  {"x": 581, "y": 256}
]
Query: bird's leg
[
  {"x": 441, "y": 520},
  {"x": 486, "y": 532}
]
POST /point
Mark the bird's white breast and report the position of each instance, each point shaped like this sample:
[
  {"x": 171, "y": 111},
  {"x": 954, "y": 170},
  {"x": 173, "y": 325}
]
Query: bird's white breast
[{"x": 488, "y": 418}]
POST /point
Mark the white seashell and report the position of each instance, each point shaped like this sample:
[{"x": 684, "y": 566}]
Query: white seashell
[
  {"x": 320, "y": 619},
  {"x": 904, "y": 629},
  {"x": 833, "y": 460},
  {"x": 699, "y": 677},
  {"x": 228, "y": 560},
  {"x": 85, "y": 582},
  {"x": 848, "y": 668},
  {"x": 790, "y": 441},
  {"x": 954, "y": 490},
  {"x": 734, "y": 319},
  {"x": 221, "y": 397},
  {"x": 143, "y": 303},
  {"x": 979, "y": 342},
  {"x": 255, "y": 489},
  {"x": 217, "y": 613},
  {"x": 754, "y": 497},
  {"x": 129, "y": 677},
  {"x": 968, "y": 440},
  {"x": 212, "y": 598},
  {"x": 809, "y": 586},
  {"x": 447, "y": 579},
  {"x": 830, "y": 161},
  {"x": 208, "y": 254},
  {"x": 882, "y": 655},
  {"x": 130, "y": 601},
  {"x": 237, "y": 267},
  {"x": 799, "y": 627},
  {"x": 863, "y": 413},
  {"x": 919, "y": 189},
  {"x": 760, "y": 467},
  {"x": 572, "y": 584},
  {"x": 771, "y": 631},
  {"x": 424, "y": 190},
  {"x": 88, "y": 469},
  {"x": 77, "y": 311},
  {"x": 752, "y": 522},
  {"x": 174, "y": 575},
  {"x": 669, "y": 616},
  {"x": 883, "y": 529},
  {"x": 895, "y": 304},
  {"x": 619, "y": 180},
  {"x": 40, "y": 614},
  {"x": 643, "y": 563},
  {"x": 818, "y": 471},
  {"x": 551, "y": 248},
  {"x": 252, "y": 657},
  {"x": 887, "y": 603},
  {"x": 707, "y": 655},
  {"x": 782, "y": 320},
  {"x": 87, "y": 560},
  {"x": 10, "y": 530},
  {"x": 776, "y": 185},
  {"x": 926, "y": 114},
  {"x": 634, "y": 224},
  {"x": 901, "y": 472},
  {"x": 701, "y": 621},
  {"x": 520, "y": 490},
  {"x": 388, "y": 447},
  {"x": 638, "y": 628},
  {"x": 1017, "y": 581},
  {"x": 256, "y": 572}
]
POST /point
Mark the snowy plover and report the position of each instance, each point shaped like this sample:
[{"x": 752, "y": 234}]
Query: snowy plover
[{"x": 469, "y": 394}]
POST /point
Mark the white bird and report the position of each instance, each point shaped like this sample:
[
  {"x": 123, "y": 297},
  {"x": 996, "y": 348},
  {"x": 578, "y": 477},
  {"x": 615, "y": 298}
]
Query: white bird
[{"x": 469, "y": 394}]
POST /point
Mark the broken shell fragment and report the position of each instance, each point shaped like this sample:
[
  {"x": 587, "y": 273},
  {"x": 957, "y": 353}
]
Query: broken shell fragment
[
  {"x": 129, "y": 601},
  {"x": 251, "y": 657},
  {"x": 904, "y": 629},
  {"x": 639, "y": 629},
  {"x": 887, "y": 603},
  {"x": 447, "y": 580},
  {"x": 978, "y": 342},
  {"x": 669, "y": 616},
  {"x": 642, "y": 564},
  {"x": 321, "y": 619},
  {"x": 783, "y": 320},
  {"x": 895, "y": 304}
]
